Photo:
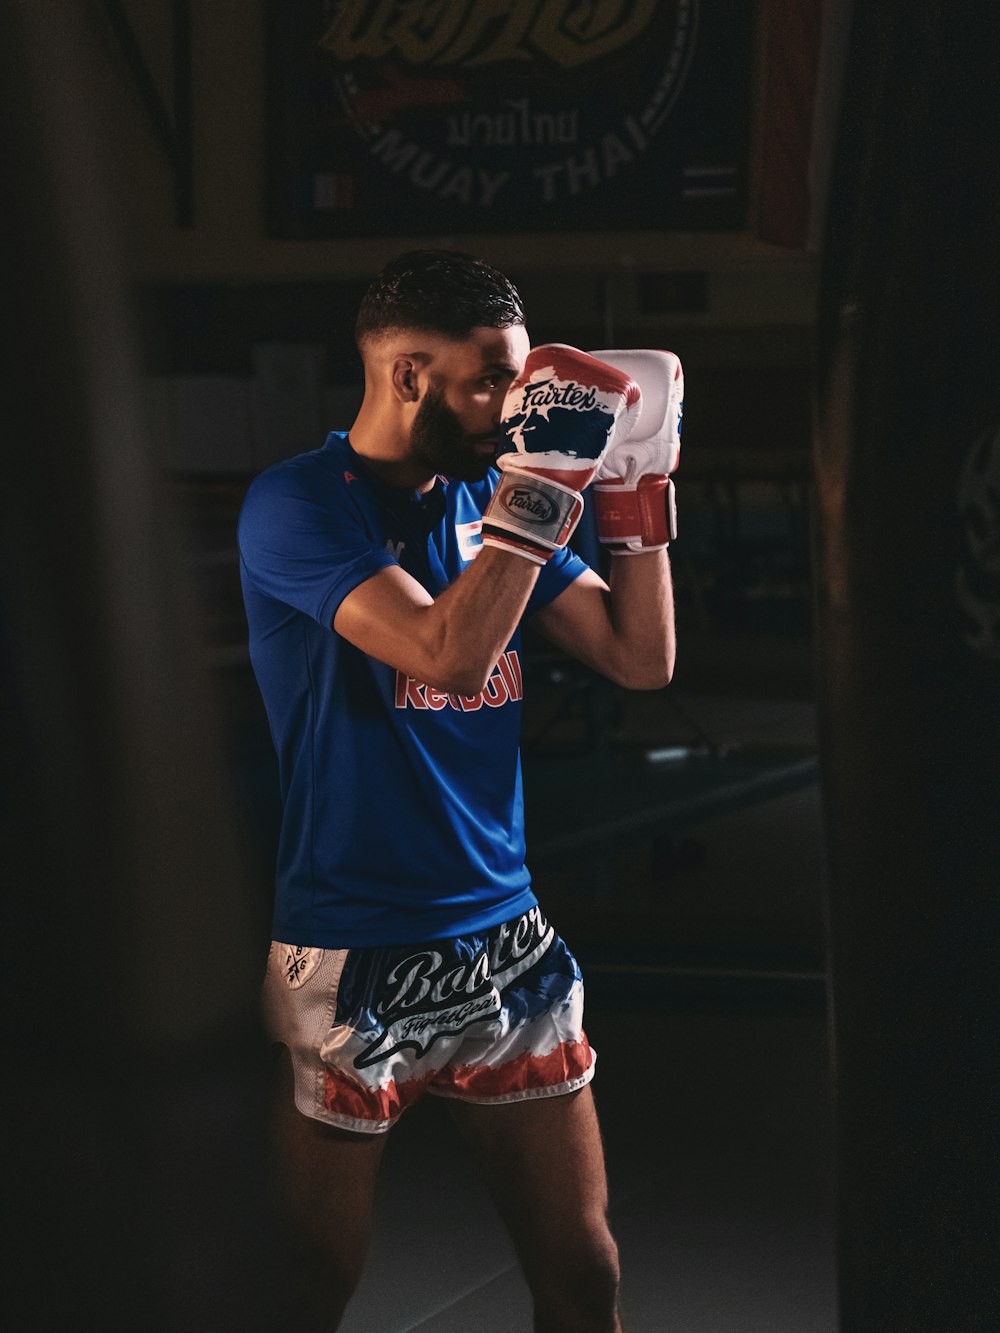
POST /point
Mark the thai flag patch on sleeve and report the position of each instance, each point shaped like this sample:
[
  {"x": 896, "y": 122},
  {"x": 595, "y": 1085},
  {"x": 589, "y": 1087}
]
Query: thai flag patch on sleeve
[{"x": 470, "y": 538}]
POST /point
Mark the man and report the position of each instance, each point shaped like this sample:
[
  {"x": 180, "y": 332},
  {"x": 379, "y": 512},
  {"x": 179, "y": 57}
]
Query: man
[{"x": 385, "y": 576}]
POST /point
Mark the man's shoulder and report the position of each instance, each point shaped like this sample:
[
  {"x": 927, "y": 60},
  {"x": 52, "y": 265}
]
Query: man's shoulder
[
  {"x": 325, "y": 467},
  {"x": 295, "y": 486}
]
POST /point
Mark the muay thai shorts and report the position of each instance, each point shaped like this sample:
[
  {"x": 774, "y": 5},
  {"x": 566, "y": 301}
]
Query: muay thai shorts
[{"x": 490, "y": 1017}]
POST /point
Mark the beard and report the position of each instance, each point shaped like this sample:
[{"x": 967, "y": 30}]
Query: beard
[{"x": 439, "y": 441}]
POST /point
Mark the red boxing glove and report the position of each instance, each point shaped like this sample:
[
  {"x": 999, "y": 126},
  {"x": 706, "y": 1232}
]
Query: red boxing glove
[
  {"x": 633, "y": 494},
  {"x": 560, "y": 417}
]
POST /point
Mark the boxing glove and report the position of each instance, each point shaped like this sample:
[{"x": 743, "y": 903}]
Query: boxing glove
[
  {"x": 633, "y": 494},
  {"x": 558, "y": 420}
]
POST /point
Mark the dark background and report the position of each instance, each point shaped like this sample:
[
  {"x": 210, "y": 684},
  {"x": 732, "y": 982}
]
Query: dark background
[{"x": 780, "y": 872}]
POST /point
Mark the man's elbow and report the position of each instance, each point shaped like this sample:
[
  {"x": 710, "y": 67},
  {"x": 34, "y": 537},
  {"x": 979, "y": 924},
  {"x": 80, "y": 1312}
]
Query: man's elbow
[
  {"x": 461, "y": 680},
  {"x": 646, "y": 674},
  {"x": 650, "y": 680},
  {"x": 462, "y": 677}
]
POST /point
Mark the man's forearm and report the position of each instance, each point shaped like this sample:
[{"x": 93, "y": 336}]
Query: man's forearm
[
  {"x": 452, "y": 641},
  {"x": 477, "y": 615},
  {"x": 641, "y": 609}
]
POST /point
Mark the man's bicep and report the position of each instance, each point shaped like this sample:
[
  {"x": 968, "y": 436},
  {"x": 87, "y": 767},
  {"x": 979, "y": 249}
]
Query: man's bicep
[
  {"x": 385, "y": 616},
  {"x": 578, "y": 621}
]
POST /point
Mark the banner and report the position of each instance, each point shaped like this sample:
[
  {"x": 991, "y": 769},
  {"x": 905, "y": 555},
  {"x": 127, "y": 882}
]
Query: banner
[{"x": 509, "y": 115}]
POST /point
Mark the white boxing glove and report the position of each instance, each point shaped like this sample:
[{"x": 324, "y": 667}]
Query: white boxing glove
[
  {"x": 633, "y": 493},
  {"x": 559, "y": 419}
]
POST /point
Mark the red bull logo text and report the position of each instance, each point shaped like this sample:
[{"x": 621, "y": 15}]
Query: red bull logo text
[{"x": 505, "y": 685}]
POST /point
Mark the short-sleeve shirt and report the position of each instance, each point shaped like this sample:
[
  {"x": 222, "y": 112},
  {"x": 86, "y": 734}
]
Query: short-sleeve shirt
[{"x": 402, "y": 810}]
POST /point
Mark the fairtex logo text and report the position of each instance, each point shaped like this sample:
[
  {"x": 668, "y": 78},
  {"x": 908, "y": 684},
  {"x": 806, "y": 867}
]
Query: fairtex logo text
[
  {"x": 555, "y": 393},
  {"x": 529, "y": 504},
  {"x": 505, "y": 684}
]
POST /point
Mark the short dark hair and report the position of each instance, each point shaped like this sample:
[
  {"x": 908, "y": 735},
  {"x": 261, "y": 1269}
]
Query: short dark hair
[{"x": 440, "y": 291}]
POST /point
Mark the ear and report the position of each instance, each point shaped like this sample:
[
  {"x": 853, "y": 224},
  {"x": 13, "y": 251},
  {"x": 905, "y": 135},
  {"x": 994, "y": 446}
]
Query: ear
[{"x": 404, "y": 379}]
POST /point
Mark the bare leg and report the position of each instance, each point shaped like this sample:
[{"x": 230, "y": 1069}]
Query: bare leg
[
  {"x": 324, "y": 1184},
  {"x": 544, "y": 1162}
]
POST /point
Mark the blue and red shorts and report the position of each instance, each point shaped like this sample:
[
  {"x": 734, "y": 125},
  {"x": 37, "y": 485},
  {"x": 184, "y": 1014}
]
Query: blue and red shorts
[{"x": 491, "y": 1017}]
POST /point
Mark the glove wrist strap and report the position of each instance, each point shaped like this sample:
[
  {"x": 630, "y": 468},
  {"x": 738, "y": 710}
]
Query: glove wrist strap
[
  {"x": 634, "y": 519},
  {"x": 531, "y": 515}
]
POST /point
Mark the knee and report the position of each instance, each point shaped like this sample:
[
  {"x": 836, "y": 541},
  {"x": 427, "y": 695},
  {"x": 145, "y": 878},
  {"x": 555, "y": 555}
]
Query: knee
[
  {"x": 578, "y": 1286},
  {"x": 324, "y": 1279},
  {"x": 321, "y": 1260},
  {"x": 596, "y": 1283}
]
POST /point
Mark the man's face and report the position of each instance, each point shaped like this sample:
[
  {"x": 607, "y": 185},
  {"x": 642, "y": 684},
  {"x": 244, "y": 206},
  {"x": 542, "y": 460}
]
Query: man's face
[{"x": 455, "y": 429}]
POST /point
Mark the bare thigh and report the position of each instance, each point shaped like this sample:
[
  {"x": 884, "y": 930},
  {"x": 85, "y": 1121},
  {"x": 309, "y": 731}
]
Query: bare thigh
[{"x": 323, "y": 1184}]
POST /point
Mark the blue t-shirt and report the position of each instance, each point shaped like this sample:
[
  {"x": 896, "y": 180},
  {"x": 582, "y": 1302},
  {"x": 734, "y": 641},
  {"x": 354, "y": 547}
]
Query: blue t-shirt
[{"x": 402, "y": 806}]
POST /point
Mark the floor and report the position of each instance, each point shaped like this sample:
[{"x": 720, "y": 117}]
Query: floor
[{"x": 707, "y": 946}]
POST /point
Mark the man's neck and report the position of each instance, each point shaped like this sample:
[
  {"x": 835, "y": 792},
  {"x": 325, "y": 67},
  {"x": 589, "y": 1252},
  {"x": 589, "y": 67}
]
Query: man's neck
[
  {"x": 385, "y": 451},
  {"x": 400, "y": 472}
]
